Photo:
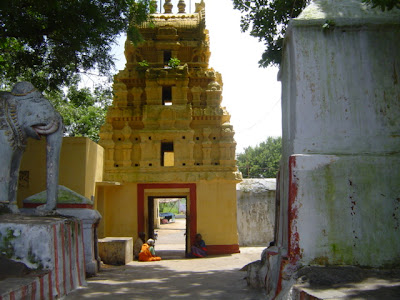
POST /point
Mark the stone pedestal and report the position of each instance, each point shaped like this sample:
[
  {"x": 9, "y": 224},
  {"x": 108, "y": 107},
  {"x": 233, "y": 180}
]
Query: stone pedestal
[
  {"x": 50, "y": 246},
  {"x": 90, "y": 220},
  {"x": 116, "y": 250},
  {"x": 72, "y": 204}
]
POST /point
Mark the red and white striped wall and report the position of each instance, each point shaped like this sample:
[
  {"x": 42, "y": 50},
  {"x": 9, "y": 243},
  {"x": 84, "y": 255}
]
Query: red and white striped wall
[{"x": 64, "y": 273}]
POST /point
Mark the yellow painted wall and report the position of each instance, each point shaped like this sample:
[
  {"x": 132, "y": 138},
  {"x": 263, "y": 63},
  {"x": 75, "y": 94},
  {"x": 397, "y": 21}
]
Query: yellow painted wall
[
  {"x": 118, "y": 206},
  {"x": 81, "y": 166},
  {"x": 216, "y": 212}
]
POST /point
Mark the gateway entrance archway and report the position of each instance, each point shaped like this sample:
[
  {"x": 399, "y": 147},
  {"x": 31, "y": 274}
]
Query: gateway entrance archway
[
  {"x": 147, "y": 193},
  {"x": 168, "y": 228}
]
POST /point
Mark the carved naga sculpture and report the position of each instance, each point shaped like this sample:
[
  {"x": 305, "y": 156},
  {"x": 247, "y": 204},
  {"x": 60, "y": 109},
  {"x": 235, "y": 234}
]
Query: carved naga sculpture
[{"x": 24, "y": 112}]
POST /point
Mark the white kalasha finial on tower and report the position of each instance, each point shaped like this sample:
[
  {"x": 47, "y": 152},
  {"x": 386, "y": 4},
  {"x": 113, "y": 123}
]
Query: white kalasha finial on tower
[
  {"x": 168, "y": 7},
  {"x": 181, "y": 7}
]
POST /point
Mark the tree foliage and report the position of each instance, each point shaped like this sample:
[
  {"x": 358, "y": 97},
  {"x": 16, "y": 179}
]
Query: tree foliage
[
  {"x": 384, "y": 4},
  {"x": 83, "y": 110},
  {"x": 267, "y": 20},
  {"x": 48, "y": 42},
  {"x": 261, "y": 161}
]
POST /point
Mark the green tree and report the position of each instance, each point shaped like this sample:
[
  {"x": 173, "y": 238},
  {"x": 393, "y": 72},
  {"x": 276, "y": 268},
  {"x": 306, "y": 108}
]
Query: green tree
[
  {"x": 261, "y": 161},
  {"x": 267, "y": 20},
  {"x": 48, "y": 42},
  {"x": 83, "y": 110}
]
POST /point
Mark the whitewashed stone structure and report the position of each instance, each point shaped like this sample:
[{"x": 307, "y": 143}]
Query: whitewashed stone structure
[
  {"x": 51, "y": 246},
  {"x": 72, "y": 204},
  {"x": 256, "y": 211},
  {"x": 340, "y": 191}
]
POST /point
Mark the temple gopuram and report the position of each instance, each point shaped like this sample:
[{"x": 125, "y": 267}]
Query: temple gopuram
[{"x": 166, "y": 135}]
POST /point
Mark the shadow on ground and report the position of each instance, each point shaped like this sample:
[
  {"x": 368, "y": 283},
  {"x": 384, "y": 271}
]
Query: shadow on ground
[
  {"x": 350, "y": 282},
  {"x": 153, "y": 281}
]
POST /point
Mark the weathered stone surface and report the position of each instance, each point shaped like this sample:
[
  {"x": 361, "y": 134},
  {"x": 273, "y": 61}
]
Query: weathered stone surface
[
  {"x": 116, "y": 250},
  {"x": 340, "y": 118},
  {"x": 25, "y": 113},
  {"x": 53, "y": 245},
  {"x": 72, "y": 204},
  {"x": 256, "y": 211}
]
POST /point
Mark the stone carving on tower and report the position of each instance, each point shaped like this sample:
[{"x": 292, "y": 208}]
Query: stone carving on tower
[{"x": 166, "y": 122}]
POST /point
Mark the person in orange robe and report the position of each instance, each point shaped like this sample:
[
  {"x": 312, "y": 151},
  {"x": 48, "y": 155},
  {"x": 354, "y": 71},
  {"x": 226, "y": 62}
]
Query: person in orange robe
[{"x": 148, "y": 253}]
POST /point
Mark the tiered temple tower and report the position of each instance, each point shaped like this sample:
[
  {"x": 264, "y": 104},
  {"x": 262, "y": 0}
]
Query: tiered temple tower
[{"x": 166, "y": 123}]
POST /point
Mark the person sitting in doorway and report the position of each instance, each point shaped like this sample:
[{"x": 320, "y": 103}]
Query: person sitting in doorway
[
  {"x": 199, "y": 248},
  {"x": 138, "y": 244},
  {"x": 148, "y": 253}
]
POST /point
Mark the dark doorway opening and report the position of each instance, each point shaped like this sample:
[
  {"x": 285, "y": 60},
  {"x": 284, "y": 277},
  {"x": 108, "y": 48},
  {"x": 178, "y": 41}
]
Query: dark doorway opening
[
  {"x": 167, "y": 57},
  {"x": 167, "y": 95},
  {"x": 168, "y": 226},
  {"x": 167, "y": 154}
]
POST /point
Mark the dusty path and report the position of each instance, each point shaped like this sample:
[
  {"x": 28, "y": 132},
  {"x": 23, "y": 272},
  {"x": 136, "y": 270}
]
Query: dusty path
[
  {"x": 207, "y": 278},
  {"x": 216, "y": 277}
]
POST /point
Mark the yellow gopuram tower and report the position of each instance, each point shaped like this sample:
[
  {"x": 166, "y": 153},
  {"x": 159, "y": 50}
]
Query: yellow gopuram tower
[{"x": 166, "y": 135}]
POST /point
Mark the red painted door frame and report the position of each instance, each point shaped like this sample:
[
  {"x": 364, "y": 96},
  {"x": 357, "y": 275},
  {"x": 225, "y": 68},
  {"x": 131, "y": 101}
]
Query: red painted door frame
[{"x": 192, "y": 207}]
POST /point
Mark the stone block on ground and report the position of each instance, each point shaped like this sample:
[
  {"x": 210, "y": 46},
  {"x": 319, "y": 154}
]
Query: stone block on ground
[{"x": 116, "y": 250}]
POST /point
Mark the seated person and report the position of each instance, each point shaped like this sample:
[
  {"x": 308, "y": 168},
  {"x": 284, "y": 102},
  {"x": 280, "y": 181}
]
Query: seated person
[
  {"x": 199, "y": 247},
  {"x": 148, "y": 253},
  {"x": 138, "y": 244}
]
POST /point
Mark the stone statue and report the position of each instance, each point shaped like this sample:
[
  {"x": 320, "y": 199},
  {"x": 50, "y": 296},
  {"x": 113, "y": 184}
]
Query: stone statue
[{"x": 24, "y": 112}]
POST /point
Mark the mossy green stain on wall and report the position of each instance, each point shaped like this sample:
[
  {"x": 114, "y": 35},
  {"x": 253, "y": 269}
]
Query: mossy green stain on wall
[
  {"x": 340, "y": 252},
  {"x": 6, "y": 246},
  {"x": 355, "y": 200},
  {"x": 34, "y": 260},
  {"x": 65, "y": 195}
]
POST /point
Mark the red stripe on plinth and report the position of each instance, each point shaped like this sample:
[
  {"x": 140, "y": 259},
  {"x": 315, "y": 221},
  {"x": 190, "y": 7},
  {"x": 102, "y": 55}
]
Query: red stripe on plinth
[
  {"x": 71, "y": 278},
  {"x": 63, "y": 258},
  {"x": 293, "y": 236},
  {"x": 12, "y": 295},
  {"x": 50, "y": 285},
  {"x": 41, "y": 287},
  {"x": 77, "y": 253},
  {"x": 222, "y": 249},
  {"x": 24, "y": 292},
  {"x": 83, "y": 246},
  {"x": 33, "y": 291},
  {"x": 56, "y": 268},
  {"x": 284, "y": 262}
]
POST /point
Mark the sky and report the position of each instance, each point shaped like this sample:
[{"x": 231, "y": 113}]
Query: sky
[{"x": 250, "y": 94}]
